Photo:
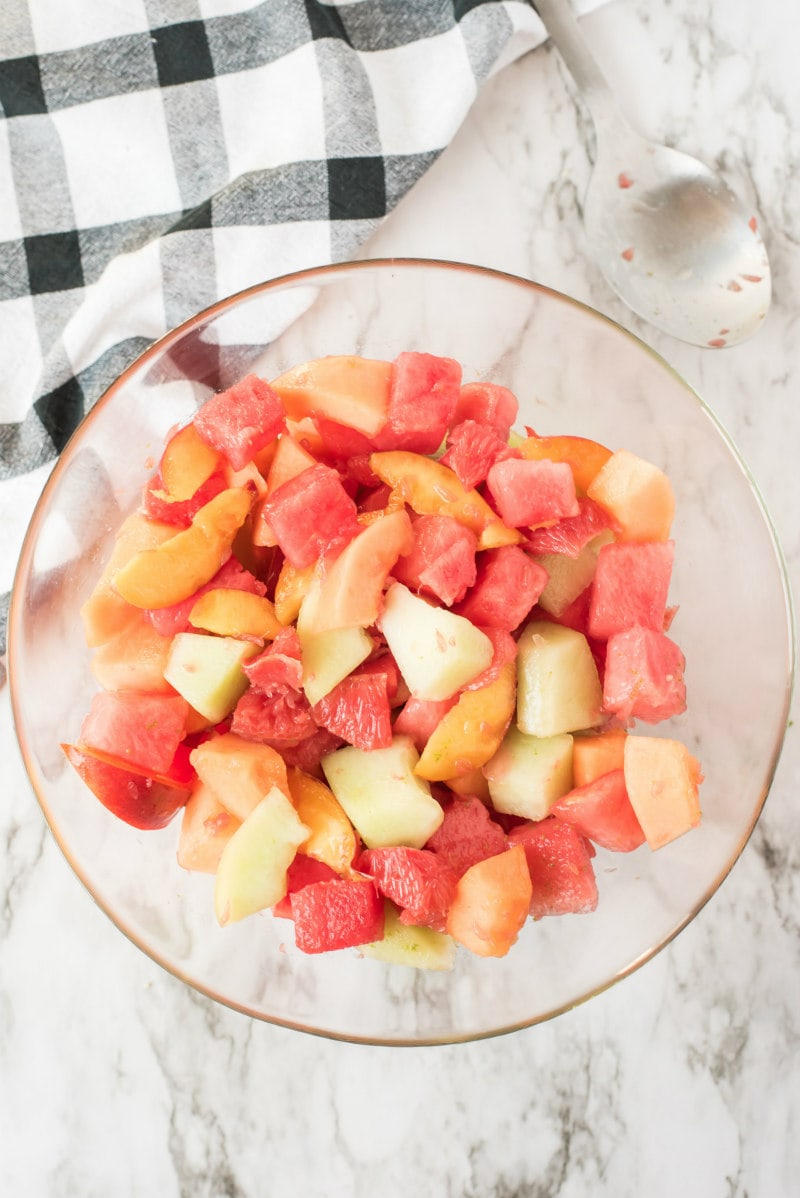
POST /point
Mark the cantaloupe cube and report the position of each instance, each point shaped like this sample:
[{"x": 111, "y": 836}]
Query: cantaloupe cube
[
  {"x": 491, "y": 903},
  {"x": 637, "y": 494},
  {"x": 240, "y": 772},
  {"x": 595, "y": 754},
  {"x": 662, "y": 779}
]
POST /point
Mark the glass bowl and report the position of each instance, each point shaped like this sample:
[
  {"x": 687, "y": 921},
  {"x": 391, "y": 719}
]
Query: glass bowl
[{"x": 573, "y": 371}]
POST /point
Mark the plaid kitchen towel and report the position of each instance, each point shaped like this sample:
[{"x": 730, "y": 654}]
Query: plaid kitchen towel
[{"x": 157, "y": 155}]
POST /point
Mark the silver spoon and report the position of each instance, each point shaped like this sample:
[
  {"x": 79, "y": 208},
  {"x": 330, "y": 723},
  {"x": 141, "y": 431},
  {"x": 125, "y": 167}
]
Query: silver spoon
[{"x": 672, "y": 239}]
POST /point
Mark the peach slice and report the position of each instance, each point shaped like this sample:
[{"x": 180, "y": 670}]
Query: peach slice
[
  {"x": 179, "y": 566},
  {"x": 584, "y": 457},
  {"x": 333, "y": 838},
  {"x": 291, "y": 589},
  {"x": 235, "y": 613},
  {"x": 432, "y": 489},
  {"x": 351, "y": 591},
  {"x": 348, "y": 389},
  {"x": 105, "y": 613},
  {"x": 186, "y": 463},
  {"x": 134, "y": 659},
  {"x": 471, "y": 732}
]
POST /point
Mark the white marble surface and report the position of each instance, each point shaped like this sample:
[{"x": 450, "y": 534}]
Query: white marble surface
[{"x": 116, "y": 1081}]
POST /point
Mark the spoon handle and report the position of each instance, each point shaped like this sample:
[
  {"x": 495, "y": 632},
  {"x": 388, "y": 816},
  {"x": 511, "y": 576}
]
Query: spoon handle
[{"x": 565, "y": 33}]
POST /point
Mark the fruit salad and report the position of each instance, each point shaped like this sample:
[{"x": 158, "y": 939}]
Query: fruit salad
[{"x": 390, "y": 666}]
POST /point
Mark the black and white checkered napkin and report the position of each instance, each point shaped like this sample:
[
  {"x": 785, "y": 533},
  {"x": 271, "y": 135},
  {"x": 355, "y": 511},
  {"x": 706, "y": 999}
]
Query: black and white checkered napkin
[{"x": 157, "y": 155}]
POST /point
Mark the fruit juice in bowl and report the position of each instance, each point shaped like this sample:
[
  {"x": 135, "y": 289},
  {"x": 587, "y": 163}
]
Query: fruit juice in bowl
[{"x": 392, "y": 604}]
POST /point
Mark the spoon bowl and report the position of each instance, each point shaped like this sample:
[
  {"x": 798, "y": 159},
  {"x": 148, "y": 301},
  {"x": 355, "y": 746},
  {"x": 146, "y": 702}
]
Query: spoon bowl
[{"x": 670, "y": 236}]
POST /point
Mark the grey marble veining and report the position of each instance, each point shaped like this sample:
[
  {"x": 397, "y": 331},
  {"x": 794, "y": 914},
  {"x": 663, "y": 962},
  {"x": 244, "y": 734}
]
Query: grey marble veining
[{"x": 684, "y": 1079}]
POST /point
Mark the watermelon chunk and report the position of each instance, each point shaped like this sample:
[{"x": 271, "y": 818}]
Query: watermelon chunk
[
  {"x": 508, "y": 583},
  {"x": 142, "y": 730},
  {"x": 442, "y": 560},
  {"x": 419, "y": 882},
  {"x": 643, "y": 677},
  {"x": 560, "y": 865},
  {"x": 342, "y": 913},
  {"x": 602, "y": 811},
  {"x": 466, "y": 835},
  {"x": 532, "y": 492},
  {"x": 472, "y": 450},
  {"x": 241, "y": 421},
  {"x": 311, "y": 513},
  {"x": 630, "y": 587},
  {"x": 423, "y": 394}
]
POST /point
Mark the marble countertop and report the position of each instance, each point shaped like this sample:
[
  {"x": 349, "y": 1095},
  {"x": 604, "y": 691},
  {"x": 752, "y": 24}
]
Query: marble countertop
[{"x": 116, "y": 1081}]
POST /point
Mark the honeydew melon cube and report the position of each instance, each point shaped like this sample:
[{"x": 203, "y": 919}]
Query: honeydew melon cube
[
  {"x": 406, "y": 944},
  {"x": 207, "y": 671},
  {"x": 437, "y": 651},
  {"x": 558, "y": 686},
  {"x": 568, "y": 576},
  {"x": 383, "y": 798},
  {"x": 328, "y": 656},
  {"x": 251, "y": 874},
  {"x": 528, "y": 774}
]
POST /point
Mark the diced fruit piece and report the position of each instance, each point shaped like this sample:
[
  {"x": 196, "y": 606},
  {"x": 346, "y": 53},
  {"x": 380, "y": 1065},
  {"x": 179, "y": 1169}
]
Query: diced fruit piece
[
  {"x": 291, "y": 589},
  {"x": 357, "y": 709},
  {"x": 560, "y": 868},
  {"x": 436, "y": 650},
  {"x": 139, "y": 799},
  {"x": 472, "y": 730},
  {"x": 418, "y": 881},
  {"x": 571, "y": 534},
  {"x": 178, "y": 567},
  {"x": 134, "y": 659},
  {"x": 583, "y": 456},
  {"x": 289, "y": 460},
  {"x": 350, "y": 390},
  {"x": 404, "y": 944},
  {"x": 528, "y": 774},
  {"x": 308, "y": 753},
  {"x": 239, "y": 772},
  {"x": 487, "y": 403},
  {"x": 331, "y": 836},
  {"x": 142, "y": 730},
  {"x": 491, "y": 903},
  {"x": 662, "y": 779},
  {"x": 105, "y": 613},
  {"x": 637, "y": 494},
  {"x": 207, "y": 671},
  {"x": 384, "y": 799},
  {"x": 431, "y": 489},
  {"x": 441, "y": 559},
  {"x": 532, "y": 492},
  {"x": 472, "y": 450},
  {"x": 311, "y": 513},
  {"x": 643, "y": 676},
  {"x": 507, "y": 585},
  {"x": 558, "y": 686},
  {"x": 206, "y": 828},
  {"x": 568, "y": 577},
  {"x": 602, "y": 811},
  {"x": 328, "y": 657},
  {"x": 279, "y": 664},
  {"x": 343, "y": 913},
  {"x": 235, "y": 613},
  {"x": 179, "y": 513},
  {"x": 232, "y": 576},
  {"x": 241, "y": 421},
  {"x": 473, "y": 785},
  {"x": 597, "y": 753},
  {"x": 423, "y": 394},
  {"x": 186, "y": 463},
  {"x": 466, "y": 835},
  {"x": 304, "y": 871},
  {"x": 419, "y": 718},
  {"x": 251, "y": 874},
  {"x": 351, "y": 590},
  {"x": 281, "y": 717},
  {"x": 630, "y": 586}
]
